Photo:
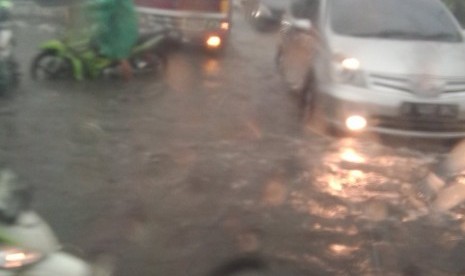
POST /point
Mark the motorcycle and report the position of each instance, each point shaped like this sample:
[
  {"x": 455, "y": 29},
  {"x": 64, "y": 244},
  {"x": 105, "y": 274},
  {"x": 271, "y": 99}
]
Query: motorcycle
[
  {"x": 28, "y": 246},
  {"x": 71, "y": 58},
  {"x": 263, "y": 16},
  {"x": 9, "y": 69}
]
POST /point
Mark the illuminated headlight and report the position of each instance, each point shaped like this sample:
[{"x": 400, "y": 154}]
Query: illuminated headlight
[
  {"x": 215, "y": 24},
  {"x": 348, "y": 71},
  {"x": 213, "y": 41},
  {"x": 350, "y": 64},
  {"x": 224, "y": 26},
  {"x": 14, "y": 257},
  {"x": 356, "y": 123}
]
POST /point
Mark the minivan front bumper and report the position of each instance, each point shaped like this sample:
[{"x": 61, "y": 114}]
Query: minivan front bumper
[{"x": 385, "y": 115}]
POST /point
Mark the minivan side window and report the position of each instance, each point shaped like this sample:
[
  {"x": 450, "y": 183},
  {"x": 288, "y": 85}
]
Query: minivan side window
[{"x": 305, "y": 9}]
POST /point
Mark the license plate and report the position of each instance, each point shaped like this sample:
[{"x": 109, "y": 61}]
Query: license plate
[{"x": 429, "y": 110}]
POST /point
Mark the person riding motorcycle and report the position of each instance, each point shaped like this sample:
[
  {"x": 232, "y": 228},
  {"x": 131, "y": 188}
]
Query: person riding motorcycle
[
  {"x": 5, "y": 10},
  {"x": 9, "y": 74},
  {"x": 6, "y": 4},
  {"x": 116, "y": 30}
]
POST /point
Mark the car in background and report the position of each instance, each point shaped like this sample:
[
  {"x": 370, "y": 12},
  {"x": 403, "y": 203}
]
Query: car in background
[
  {"x": 392, "y": 67},
  {"x": 201, "y": 22},
  {"x": 265, "y": 15}
]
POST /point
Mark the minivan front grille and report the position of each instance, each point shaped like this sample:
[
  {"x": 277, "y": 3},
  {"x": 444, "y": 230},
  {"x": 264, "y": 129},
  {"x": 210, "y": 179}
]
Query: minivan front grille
[
  {"x": 390, "y": 82},
  {"x": 455, "y": 86},
  {"x": 412, "y": 84},
  {"x": 419, "y": 124}
]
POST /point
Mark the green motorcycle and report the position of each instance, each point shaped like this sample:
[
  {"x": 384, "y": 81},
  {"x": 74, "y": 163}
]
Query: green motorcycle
[{"x": 71, "y": 58}]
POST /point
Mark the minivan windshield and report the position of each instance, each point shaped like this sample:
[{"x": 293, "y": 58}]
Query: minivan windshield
[{"x": 394, "y": 19}]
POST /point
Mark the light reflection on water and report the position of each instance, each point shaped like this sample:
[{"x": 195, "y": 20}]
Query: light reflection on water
[
  {"x": 341, "y": 249},
  {"x": 350, "y": 155},
  {"x": 329, "y": 212},
  {"x": 211, "y": 67},
  {"x": 367, "y": 202}
]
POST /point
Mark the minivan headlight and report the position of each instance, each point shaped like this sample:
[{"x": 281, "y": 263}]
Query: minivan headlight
[
  {"x": 350, "y": 64},
  {"x": 216, "y": 24},
  {"x": 348, "y": 71},
  {"x": 356, "y": 123}
]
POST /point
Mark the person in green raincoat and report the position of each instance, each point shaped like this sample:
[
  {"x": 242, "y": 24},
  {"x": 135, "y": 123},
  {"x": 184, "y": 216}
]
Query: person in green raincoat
[
  {"x": 5, "y": 4},
  {"x": 117, "y": 30},
  {"x": 5, "y": 9}
]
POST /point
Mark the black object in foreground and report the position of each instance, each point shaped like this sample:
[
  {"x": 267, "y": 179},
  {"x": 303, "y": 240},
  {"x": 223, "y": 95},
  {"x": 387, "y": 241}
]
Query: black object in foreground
[{"x": 244, "y": 264}]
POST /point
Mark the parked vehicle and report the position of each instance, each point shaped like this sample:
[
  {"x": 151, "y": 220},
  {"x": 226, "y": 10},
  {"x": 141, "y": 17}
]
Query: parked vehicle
[
  {"x": 28, "y": 246},
  {"x": 376, "y": 65},
  {"x": 265, "y": 15},
  {"x": 201, "y": 22},
  {"x": 71, "y": 58}
]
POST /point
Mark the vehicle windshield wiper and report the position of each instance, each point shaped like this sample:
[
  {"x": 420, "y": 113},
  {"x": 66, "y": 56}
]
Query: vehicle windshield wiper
[
  {"x": 438, "y": 37},
  {"x": 384, "y": 34}
]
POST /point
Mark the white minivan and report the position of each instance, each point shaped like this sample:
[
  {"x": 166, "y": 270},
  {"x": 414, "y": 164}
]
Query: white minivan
[{"x": 388, "y": 66}]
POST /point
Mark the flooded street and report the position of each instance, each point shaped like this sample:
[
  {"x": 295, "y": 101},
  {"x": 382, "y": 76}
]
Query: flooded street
[{"x": 176, "y": 174}]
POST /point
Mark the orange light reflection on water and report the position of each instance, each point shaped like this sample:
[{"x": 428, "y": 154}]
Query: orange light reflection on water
[
  {"x": 350, "y": 155},
  {"x": 211, "y": 67},
  {"x": 341, "y": 249}
]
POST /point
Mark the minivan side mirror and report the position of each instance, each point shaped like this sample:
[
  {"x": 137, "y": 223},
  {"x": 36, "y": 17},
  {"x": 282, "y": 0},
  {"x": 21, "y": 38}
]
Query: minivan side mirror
[{"x": 302, "y": 24}]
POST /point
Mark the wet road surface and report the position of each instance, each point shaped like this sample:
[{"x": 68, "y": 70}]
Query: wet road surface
[{"x": 177, "y": 174}]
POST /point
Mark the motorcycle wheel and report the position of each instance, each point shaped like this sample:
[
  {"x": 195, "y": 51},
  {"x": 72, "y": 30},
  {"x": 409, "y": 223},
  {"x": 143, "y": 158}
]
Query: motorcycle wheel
[{"x": 49, "y": 66}]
